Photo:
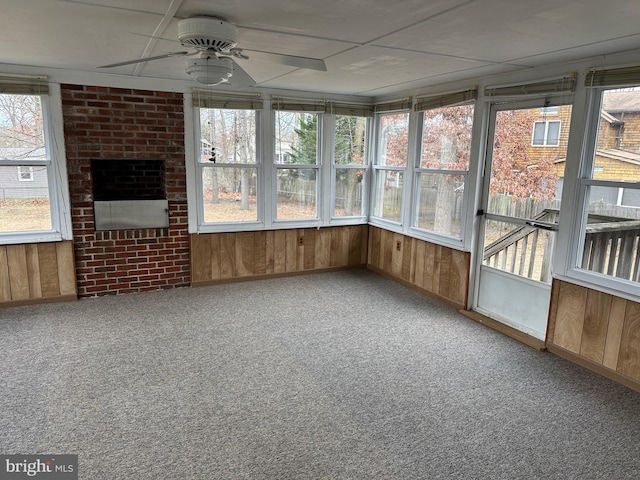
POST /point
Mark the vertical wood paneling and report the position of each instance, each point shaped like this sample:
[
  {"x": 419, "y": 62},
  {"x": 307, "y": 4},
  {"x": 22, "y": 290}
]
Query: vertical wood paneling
[
  {"x": 18, "y": 272},
  {"x": 5, "y": 282},
  {"x": 227, "y": 255},
  {"x": 553, "y": 309},
  {"x": 323, "y": 248},
  {"x": 48, "y": 263},
  {"x": 216, "y": 273},
  {"x": 397, "y": 254},
  {"x": 407, "y": 247},
  {"x": 66, "y": 268},
  {"x": 280, "y": 253},
  {"x": 270, "y": 251},
  {"x": 629, "y": 354},
  {"x": 291, "y": 250},
  {"x": 245, "y": 254},
  {"x": 309, "y": 249},
  {"x": 458, "y": 281},
  {"x": 437, "y": 259},
  {"x": 444, "y": 286},
  {"x": 594, "y": 329},
  {"x": 420, "y": 261},
  {"x": 429, "y": 267},
  {"x": 354, "y": 253},
  {"x": 571, "y": 310},
  {"x": 33, "y": 268},
  {"x": 200, "y": 250},
  {"x": 374, "y": 247},
  {"x": 260, "y": 254},
  {"x": 614, "y": 332},
  {"x": 37, "y": 271}
]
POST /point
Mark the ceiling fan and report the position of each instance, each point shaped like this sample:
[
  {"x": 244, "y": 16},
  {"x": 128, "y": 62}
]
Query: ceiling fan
[{"x": 214, "y": 41}]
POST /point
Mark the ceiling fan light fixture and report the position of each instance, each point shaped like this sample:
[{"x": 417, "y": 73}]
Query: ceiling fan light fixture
[
  {"x": 207, "y": 33},
  {"x": 210, "y": 70}
]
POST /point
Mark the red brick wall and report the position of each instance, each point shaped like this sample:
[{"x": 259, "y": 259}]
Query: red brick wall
[{"x": 116, "y": 123}]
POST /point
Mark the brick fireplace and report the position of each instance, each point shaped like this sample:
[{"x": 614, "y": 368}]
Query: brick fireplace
[{"x": 119, "y": 130}]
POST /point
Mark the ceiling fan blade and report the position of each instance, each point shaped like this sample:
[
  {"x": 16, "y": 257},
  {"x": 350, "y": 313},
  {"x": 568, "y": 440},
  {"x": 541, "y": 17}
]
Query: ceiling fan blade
[
  {"x": 291, "y": 60},
  {"x": 147, "y": 59},
  {"x": 240, "y": 77}
]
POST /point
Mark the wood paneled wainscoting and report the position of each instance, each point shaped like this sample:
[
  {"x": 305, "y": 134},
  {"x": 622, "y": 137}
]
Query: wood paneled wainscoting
[
  {"x": 37, "y": 273},
  {"x": 224, "y": 257},
  {"x": 436, "y": 270},
  {"x": 596, "y": 330}
]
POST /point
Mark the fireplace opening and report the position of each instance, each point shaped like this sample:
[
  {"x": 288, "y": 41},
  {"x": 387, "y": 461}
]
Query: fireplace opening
[
  {"x": 129, "y": 194},
  {"x": 128, "y": 179}
]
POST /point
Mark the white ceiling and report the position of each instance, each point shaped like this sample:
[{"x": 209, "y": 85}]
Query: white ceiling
[{"x": 371, "y": 47}]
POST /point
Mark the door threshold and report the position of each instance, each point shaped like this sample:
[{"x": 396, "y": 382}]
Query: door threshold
[{"x": 511, "y": 332}]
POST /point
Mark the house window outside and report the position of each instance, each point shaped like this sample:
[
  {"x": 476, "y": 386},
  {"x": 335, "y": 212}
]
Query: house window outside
[
  {"x": 228, "y": 165},
  {"x": 390, "y": 167},
  {"x": 26, "y": 199},
  {"x": 25, "y": 174},
  {"x": 442, "y": 170},
  {"x": 546, "y": 133},
  {"x": 349, "y": 166},
  {"x": 296, "y": 146},
  {"x": 610, "y": 229}
]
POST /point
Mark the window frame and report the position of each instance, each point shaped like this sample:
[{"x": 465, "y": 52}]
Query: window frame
[
  {"x": 574, "y": 270},
  {"x": 210, "y": 227},
  {"x": 545, "y": 137},
  {"x": 317, "y": 167},
  {"x": 418, "y": 171},
  {"x": 350, "y": 219},
  {"x": 55, "y": 164},
  {"x": 378, "y": 168}
]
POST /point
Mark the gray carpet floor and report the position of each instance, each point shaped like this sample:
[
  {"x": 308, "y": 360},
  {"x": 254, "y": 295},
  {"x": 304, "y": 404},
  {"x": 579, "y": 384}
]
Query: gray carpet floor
[{"x": 343, "y": 375}]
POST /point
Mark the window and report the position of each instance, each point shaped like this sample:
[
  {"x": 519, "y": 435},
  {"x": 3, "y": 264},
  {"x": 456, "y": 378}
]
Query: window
[
  {"x": 546, "y": 133},
  {"x": 442, "y": 171},
  {"x": 296, "y": 146},
  {"x": 30, "y": 170},
  {"x": 610, "y": 189},
  {"x": 350, "y": 166},
  {"x": 25, "y": 174},
  {"x": 390, "y": 167},
  {"x": 228, "y": 165}
]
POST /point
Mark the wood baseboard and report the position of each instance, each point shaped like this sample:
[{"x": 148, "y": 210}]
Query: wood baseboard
[
  {"x": 511, "y": 332},
  {"x": 250, "y": 278},
  {"x": 594, "y": 367},
  {"x": 37, "y": 301}
]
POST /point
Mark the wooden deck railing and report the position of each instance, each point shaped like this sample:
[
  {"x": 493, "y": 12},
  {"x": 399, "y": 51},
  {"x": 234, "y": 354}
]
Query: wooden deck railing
[
  {"x": 525, "y": 251},
  {"x": 611, "y": 247}
]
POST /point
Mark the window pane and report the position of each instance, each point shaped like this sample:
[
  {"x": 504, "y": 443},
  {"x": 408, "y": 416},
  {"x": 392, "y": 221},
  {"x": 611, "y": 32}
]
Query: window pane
[
  {"x": 350, "y": 140},
  {"x": 612, "y": 234},
  {"x": 553, "y": 133},
  {"x": 526, "y": 180},
  {"x": 538, "y": 133},
  {"x": 349, "y": 192},
  {"x": 296, "y": 138},
  {"x": 388, "y": 195},
  {"x": 394, "y": 139},
  {"x": 24, "y": 205},
  {"x": 296, "y": 197},
  {"x": 446, "y": 137},
  {"x": 21, "y": 128},
  {"x": 227, "y": 136},
  {"x": 229, "y": 194},
  {"x": 439, "y": 206},
  {"x": 617, "y": 152}
]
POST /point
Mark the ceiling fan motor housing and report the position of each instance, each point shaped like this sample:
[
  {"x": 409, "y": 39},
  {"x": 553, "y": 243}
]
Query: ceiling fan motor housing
[
  {"x": 207, "y": 33},
  {"x": 210, "y": 70}
]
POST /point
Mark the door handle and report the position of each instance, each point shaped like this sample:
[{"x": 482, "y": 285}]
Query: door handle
[{"x": 552, "y": 227}]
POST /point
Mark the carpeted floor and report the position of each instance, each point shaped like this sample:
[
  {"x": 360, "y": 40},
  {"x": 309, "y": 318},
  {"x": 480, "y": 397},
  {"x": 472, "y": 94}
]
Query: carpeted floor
[{"x": 343, "y": 375}]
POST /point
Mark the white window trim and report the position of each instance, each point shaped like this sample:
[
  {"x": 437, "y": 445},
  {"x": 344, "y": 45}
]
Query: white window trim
[
  {"x": 570, "y": 235},
  {"x": 29, "y": 172},
  {"x": 56, "y": 174}
]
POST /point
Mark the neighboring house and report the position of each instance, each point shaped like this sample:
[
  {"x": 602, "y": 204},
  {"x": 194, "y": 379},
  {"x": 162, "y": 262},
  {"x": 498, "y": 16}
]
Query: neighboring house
[{"x": 22, "y": 181}]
